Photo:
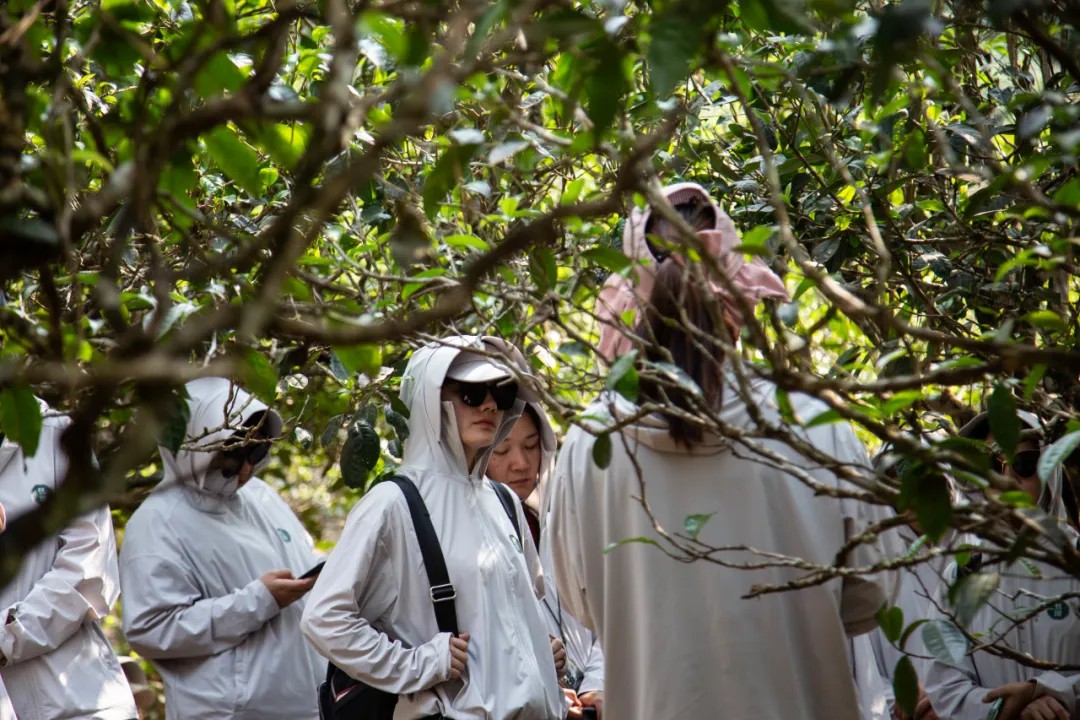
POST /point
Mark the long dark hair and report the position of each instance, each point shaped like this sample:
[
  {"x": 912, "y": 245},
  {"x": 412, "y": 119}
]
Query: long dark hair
[{"x": 679, "y": 325}]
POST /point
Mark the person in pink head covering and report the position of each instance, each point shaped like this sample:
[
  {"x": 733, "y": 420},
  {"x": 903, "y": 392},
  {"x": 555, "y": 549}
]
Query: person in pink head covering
[
  {"x": 680, "y": 639},
  {"x": 719, "y": 237}
]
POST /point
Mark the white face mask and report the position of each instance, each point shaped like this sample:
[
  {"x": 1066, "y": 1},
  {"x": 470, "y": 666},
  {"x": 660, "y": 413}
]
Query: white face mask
[{"x": 220, "y": 486}]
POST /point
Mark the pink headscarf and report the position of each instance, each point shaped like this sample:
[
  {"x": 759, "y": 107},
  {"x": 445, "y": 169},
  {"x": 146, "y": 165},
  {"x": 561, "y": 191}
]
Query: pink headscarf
[{"x": 752, "y": 279}]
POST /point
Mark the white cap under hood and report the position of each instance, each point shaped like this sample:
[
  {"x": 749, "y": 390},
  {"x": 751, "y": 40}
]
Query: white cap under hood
[{"x": 434, "y": 443}]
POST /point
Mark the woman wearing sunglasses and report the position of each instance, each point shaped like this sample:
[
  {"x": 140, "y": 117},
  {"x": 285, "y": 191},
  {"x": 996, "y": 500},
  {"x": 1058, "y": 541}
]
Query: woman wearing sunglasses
[
  {"x": 371, "y": 613},
  {"x": 1022, "y": 613},
  {"x": 210, "y": 570}
]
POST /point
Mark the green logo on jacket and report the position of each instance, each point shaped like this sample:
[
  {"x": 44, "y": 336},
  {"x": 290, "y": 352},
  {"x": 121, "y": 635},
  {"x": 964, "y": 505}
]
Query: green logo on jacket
[
  {"x": 1058, "y": 611},
  {"x": 40, "y": 493},
  {"x": 285, "y": 536}
]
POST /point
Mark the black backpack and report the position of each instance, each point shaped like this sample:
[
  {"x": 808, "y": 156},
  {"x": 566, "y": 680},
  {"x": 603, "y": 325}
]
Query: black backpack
[{"x": 342, "y": 697}]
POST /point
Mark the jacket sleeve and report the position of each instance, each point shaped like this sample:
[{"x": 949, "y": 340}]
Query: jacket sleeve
[
  {"x": 166, "y": 616},
  {"x": 862, "y": 596},
  {"x": 81, "y": 585},
  {"x": 358, "y": 586},
  {"x": 1064, "y": 688},
  {"x": 566, "y": 536},
  {"x": 955, "y": 692},
  {"x": 594, "y": 669}
]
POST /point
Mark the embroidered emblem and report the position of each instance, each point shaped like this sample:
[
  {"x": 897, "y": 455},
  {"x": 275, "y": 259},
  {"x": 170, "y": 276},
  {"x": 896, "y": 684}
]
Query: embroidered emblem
[
  {"x": 517, "y": 543},
  {"x": 1058, "y": 611},
  {"x": 285, "y": 536},
  {"x": 40, "y": 493}
]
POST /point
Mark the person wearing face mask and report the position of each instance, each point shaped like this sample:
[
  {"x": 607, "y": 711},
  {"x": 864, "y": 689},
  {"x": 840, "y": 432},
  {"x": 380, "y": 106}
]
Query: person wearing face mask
[
  {"x": 210, "y": 566},
  {"x": 55, "y": 660},
  {"x": 372, "y": 614},
  {"x": 523, "y": 462},
  {"x": 1021, "y": 613}
]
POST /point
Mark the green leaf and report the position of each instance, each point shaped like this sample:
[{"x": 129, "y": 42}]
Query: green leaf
[
  {"x": 677, "y": 33},
  {"x": 284, "y": 144},
  {"x": 235, "y": 159},
  {"x": 605, "y": 86},
  {"x": 643, "y": 540},
  {"x": 360, "y": 455},
  {"x": 1057, "y": 453},
  {"x": 623, "y": 376},
  {"x": 608, "y": 258},
  {"x": 693, "y": 524},
  {"x": 360, "y": 358},
  {"x": 891, "y": 622},
  {"x": 259, "y": 376},
  {"x": 448, "y": 172},
  {"x": 971, "y": 592},
  {"x": 783, "y": 404},
  {"x": 176, "y": 425},
  {"x": 398, "y": 422},
  {"x": 1046, "y": 320},
  {"x": 906, "y": 685},
  {"x": 20, "y": 418},
  {"x": 825, "y": 418},
  {"x": 543, "y": 269},
  {"x": 1004, "y": 423},
  {"x": 926, "y": 491},
  {"x": 944, "y": 641},
  {"x": 466, "y": 242},
  {"x": 601, "y": 451}
]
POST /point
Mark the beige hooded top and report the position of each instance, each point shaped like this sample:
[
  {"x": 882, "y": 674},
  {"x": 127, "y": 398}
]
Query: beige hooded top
[
  {"x": 190, "y": 564},
  {"x": 60, "y": 665},
  {"x": 679, "y": 639},
  {"x": 370, "y": 611}
]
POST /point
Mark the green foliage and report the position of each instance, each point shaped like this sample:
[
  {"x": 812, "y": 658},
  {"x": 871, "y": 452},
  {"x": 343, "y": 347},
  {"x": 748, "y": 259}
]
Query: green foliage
[
  {"x": 20, "y": 418},
  {"x": 944, "y": 641}
]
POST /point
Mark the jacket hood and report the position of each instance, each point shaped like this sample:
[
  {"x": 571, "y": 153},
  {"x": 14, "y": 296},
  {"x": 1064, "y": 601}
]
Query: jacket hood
[
  {"x": 434, "y": 444},
  {"x": 219, "y": 409},
  {"x": 549, "y": 447}
]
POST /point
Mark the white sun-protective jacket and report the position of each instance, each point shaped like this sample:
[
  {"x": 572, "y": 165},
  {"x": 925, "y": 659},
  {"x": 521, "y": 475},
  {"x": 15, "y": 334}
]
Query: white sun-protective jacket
[
  {"x": 59, "y": 663},
  {"x": 370, "y": 611},
  {"x": 875, "y": 658},
  {"x": 1021, "y": 616},
  {"x": 190, "y": 563},
  {"x": 680, "y": 640},
  {"x": 7, "y": 711},
  {"x": 583, "y": 650}
]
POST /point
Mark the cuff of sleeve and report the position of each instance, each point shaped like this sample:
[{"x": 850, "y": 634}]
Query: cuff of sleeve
[
  {"x": 1058, "y": 686},
  {"x": 7, "y": 646},
  {"x": 591, "y": 684},
  {"x": 266, "y": 606},
  {"x": 441, "y": 643}
]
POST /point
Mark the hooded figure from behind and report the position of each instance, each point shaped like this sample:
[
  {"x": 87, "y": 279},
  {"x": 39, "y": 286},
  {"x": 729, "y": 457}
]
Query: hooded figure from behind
[
  {"x": 207, "y": 566},
  {"x": 55, "y": 661},
  {"x": 1021, "y": 613},
  {"x": 371, "y": 613}
]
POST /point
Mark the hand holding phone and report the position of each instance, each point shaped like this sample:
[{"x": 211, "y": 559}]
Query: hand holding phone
[{"x": 313, "y": 571}]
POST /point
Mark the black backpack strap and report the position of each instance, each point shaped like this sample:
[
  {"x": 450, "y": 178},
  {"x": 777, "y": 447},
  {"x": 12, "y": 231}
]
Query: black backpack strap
[
  {"x": 442, "y": 592},
  {"x": 507, "y": 501}
]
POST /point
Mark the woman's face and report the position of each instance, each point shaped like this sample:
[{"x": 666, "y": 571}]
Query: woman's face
[
  {"x": 477, "y": 426},
  {"x": 516, "y": 462}
]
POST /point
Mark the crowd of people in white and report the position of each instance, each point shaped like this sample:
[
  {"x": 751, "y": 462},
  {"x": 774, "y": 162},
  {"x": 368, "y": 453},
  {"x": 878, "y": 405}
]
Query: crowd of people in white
[{"x": 448, "y": 596}]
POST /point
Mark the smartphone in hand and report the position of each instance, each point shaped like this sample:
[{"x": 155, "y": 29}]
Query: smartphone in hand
[{"x": 313, "y": 571}]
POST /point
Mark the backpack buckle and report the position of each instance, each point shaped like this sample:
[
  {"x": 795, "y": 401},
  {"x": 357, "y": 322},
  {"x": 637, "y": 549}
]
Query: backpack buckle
[{"x": 442, "y": 593}]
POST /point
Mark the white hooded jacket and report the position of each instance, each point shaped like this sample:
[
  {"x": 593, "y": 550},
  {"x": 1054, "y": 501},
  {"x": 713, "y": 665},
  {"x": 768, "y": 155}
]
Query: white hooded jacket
[
  {"x": 679, "y": 639},
  {"x": 370, "y": 611},
  {"x": 59, "y": 663},
  {"x": 582, "y": 645},
  {"x": 191, "y": 561},
  {"x": 1052, "y": 634}
]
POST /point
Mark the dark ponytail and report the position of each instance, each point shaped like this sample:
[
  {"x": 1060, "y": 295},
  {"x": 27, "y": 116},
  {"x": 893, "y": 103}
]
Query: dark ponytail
[{"x": 679, "y": 325}]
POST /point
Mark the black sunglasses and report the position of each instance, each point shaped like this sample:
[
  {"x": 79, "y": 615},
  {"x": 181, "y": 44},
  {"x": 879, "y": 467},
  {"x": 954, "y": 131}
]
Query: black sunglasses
[
  {"x": 240, "y": 450},
  {"x": 474, "y": 394},
  {"x": 1025, "y": 463}
]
